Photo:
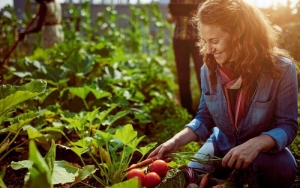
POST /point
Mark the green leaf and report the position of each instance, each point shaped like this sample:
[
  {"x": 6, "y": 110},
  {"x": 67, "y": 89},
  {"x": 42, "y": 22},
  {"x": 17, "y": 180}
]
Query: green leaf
[
  {"x": 105, "y": 113},
  {"x": 21, "y": 120},
  {"x": 81, "y": 63},
  {"x": 13, "y": 95},
  {"x": 85, "y": 142},
  {"x": 90, "y": 116},
  {"x": 21, "y": 164},
  {"x": 39, "y": 172},
  {"x": 117, "y": 116},
  {"x": 33, "y": 133},
  {"x": 100, "y": 94},
  {"x": 79, "y": 150},
  {"x": 84, "y": 173},
  {"x": 50, "y": 157},
  {"x": 132, "y": 183},
  {"x": 46, "y": 94},
  {"x": 106, "y": 136},
  {"x": 134, "y": 143},
  {"x": 80, "y": 92},
  {"x": 65, "y": 172},
  {"x": 126, "y": 134},
  {"x": 144, "y": 150},
  {"x": 75, "y": 122},
  {"x": 54, "y": 74}
]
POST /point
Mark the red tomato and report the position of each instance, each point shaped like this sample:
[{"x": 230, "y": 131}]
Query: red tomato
[
  {"x": 136, "y": 173},
  {"x": 160, "y": 167},
  {"x": 152, "y": 180}
]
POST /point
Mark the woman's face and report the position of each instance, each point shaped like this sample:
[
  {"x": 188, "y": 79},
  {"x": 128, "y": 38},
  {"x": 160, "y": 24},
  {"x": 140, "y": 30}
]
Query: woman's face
[{"x": 217, "y": 41}]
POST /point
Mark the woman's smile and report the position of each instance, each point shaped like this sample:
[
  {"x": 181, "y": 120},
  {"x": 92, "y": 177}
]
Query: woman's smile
[{"x": 217, "y": 41}]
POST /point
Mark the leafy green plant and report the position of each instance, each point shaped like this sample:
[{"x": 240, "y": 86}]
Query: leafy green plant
[
  {"x": 290, "y": 38},
  {"x": 40, "y": 171},
  {"x": 111, "y": 152},
  {"x": 48, "y": 172},
  {"x": 10, "y": 97}
]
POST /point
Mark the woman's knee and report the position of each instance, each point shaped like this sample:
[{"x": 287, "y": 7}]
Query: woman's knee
[{"x": 275, "y": 169}]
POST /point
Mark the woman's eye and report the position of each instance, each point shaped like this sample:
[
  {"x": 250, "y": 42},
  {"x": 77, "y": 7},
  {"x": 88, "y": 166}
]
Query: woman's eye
[{"x": 214, "y": 41}]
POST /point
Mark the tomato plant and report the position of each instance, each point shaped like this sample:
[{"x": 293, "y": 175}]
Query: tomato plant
[
  {"x": 152, "y": 180},
  {"x": 160, "y": 167},
  {"x": 136, "y": 173}
]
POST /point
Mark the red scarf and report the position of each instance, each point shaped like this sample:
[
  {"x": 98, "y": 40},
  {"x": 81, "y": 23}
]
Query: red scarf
[{"x": 236, "y": 97}]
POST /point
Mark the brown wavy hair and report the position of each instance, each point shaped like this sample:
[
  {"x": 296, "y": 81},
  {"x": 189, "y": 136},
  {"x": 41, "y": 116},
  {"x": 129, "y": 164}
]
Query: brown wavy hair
[{"x": 254, "y": 40}]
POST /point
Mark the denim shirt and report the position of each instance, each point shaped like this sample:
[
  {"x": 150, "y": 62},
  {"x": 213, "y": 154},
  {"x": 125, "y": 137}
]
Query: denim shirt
[{"x": 273, "y": 110}]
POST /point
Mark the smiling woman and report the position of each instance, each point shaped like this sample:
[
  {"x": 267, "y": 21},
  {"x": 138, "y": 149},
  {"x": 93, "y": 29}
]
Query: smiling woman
[{"x": 242, "y": 116}]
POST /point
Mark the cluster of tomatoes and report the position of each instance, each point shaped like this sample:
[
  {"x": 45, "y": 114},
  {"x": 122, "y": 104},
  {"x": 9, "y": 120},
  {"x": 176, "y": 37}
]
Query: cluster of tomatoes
[{"x": 153, "y": 177}]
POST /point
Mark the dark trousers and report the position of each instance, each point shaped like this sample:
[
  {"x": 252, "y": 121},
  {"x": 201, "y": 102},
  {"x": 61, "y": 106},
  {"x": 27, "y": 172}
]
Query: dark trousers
[{"x": 183, "y": 50}]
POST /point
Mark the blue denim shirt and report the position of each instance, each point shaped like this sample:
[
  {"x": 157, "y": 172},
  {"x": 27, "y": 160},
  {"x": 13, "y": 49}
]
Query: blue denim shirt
[{"x": 273, "y": 111}]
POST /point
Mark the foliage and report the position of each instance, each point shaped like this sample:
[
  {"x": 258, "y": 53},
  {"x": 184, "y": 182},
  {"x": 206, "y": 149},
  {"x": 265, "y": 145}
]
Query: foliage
[
  {"x": 112, "y": 153},
  {"x": 129, "y": 183},
  {"x": 291, "y": 39},
  {"x": 49, "y": 170},
  {"x": 10, "y": 97},
  {"x": 40, "y": 172}
]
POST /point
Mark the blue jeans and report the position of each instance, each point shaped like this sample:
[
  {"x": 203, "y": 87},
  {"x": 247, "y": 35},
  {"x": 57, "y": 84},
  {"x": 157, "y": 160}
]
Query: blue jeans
[{"x": 276, "y": 170}]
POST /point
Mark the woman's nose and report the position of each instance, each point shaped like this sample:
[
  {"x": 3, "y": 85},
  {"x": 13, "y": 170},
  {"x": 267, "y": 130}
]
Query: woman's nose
[{"x": 209, "y": 49}]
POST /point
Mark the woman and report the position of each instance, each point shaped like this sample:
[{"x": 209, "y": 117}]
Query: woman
[
  {"x": 48, "y": 20},
  {"x": 248, "y": 108}
]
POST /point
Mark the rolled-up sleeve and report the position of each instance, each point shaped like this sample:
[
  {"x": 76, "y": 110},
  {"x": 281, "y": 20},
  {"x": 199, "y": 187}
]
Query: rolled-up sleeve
[
  {"x": 203, "y": 123},
  {"x": 286, "y": 112}
]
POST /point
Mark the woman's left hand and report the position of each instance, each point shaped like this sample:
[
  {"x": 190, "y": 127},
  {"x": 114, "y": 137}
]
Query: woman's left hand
[{"x": 242, "y": 155}]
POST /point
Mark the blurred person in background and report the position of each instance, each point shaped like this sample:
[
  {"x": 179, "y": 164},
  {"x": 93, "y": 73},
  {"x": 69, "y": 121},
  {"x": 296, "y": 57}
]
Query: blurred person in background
[
  {"x": 48, "y": 20},
  {"x": 185, "y": 46}
]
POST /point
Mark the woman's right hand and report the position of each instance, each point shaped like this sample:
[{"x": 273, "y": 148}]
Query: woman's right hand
[
  {"x": 163, "y": 149},
  {"x": 182, "y": 138}
]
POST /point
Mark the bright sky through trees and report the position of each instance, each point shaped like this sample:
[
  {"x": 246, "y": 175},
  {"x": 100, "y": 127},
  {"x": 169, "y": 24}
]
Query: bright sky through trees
[
  {"x": 259, "y": 3},
  {"x": 268, "y": 3}
]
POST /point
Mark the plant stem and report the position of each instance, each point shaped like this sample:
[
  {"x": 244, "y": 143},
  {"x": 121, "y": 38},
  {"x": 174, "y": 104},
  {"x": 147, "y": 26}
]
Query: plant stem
[
  {"x": 3, "y": 156},
  {"x": 100, "y": 168}
]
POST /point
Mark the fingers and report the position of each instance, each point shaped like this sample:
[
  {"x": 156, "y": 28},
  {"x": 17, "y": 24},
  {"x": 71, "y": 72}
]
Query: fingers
[
  {"x": 160, "y": 151},
  {"x": 155, "y": 152},
  {"x": 246, "y": 164},
  {"x": 225, "y": 160},
  {"x": 235, "y": 161}
]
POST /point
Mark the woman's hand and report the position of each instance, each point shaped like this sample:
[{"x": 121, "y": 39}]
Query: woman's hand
[
  {"x": 180, "y": 139},
  {"x": 241, "y": 156},
  {"x": 165, "y": 148}
]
